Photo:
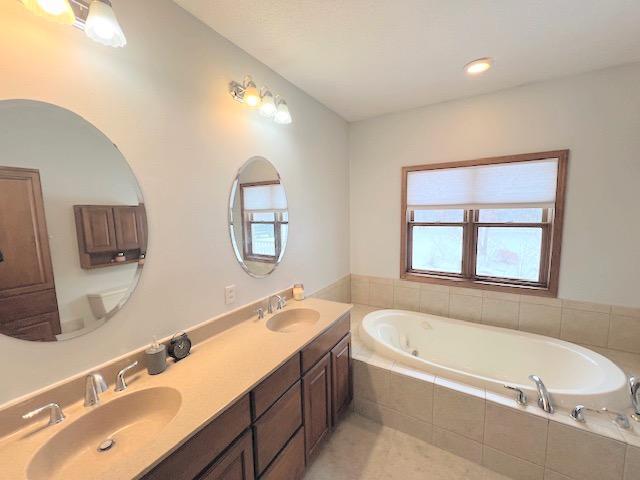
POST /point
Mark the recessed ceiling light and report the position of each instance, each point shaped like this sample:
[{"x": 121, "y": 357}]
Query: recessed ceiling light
[{"x": 478, "y": 66}]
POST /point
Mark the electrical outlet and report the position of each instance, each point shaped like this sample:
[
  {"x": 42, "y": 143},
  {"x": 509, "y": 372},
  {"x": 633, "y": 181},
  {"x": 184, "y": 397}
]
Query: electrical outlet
[{"x": 229, "y": 294}]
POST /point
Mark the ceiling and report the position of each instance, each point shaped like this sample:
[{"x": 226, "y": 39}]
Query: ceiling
[{"x": 364, "y": 58}]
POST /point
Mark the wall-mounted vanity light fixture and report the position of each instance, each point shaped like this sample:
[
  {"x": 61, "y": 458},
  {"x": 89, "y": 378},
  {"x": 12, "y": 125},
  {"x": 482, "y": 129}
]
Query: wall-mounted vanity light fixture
[
  {"x": 95, "y": 17},
  {"x": 269, "y": 105}
]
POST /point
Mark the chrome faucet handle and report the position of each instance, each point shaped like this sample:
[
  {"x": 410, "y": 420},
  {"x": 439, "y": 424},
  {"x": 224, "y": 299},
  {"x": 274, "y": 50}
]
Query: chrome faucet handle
[
  {"x": 521, "y": 397},
  {"x": 260, "y": 312},
  {"x": 620, "y": 419},
  {"x": 279, "y": 303},
  {"x": 282, "y": 302},
  {"x": 121, "y": 383},
  {"x": 55, "y": 413},
  {"x": 94, "y": 386}
]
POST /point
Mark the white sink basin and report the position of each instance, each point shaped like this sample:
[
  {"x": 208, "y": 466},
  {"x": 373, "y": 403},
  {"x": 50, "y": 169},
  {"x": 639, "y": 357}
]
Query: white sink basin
[
  {"x": 119, "y": 427},
  {"x": 292, "y": 320}
]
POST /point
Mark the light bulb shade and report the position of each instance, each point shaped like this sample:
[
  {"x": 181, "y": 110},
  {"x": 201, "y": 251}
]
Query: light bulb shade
[
  {"x": 268, "y": 107},
  {"x": 59, "y": 11},
  {"x": 252, "y": 96},
  {"x": 102, "y": 25},
  {"x": 282, "y": 115}
]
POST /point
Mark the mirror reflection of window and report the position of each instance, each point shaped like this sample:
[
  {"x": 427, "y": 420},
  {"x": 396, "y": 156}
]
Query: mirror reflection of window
[{"x": 265, "y": 220}]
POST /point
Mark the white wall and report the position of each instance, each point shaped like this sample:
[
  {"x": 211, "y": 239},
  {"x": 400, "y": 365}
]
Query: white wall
[
  {"x": 163, "y": 100},
  {"x": 596, "y": 115}
]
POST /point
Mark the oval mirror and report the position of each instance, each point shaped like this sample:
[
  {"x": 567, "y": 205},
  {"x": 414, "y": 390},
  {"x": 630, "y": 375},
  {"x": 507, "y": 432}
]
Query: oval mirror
[
  {"x": 258, "y": 217},
  {"x": 73, "y": 235}
]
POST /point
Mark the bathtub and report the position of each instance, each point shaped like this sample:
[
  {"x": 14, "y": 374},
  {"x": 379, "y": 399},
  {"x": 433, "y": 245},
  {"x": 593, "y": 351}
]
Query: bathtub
[{"x": 491, "y": 357}]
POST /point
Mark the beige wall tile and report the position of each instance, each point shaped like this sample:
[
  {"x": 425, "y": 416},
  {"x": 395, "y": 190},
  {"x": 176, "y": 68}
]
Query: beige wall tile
[
  {"x": 406, "y": 298},
  {"x": 551, "y": 475},
  {"x": 457, "y": 444},
  {"x": 411, "y": 397},
  {"x": 360, "y": 291},
  {"x": 516, "y": 433},
  {"x": 381, "y": 280},
  {"x": 509, "y": 297},
  {"x": 625, "y": 311},
  {"x": 583, "y": 455},
  {"x": 381, "y": 295},
  {"x": 470, "y": 292},
  {"x": 406, "y": 284},
  {"x": 581, "y": 326},
  {"x": 434, "y": 287},
  {"x": 500, "y": 313},
  {"x": 465, "y": 307},
  {"x": 624, "y": 334},
  {"x": 541, "y": 319},
  {"x": 370, "y": 383},
  {"x": 508, "y": 465},
  {"x": 632, "y": 463},
  {"x": 435, "y": 302},
  {"x": 586, "y": 306},
  {"x": 409, "y": 425},
  {"x": 459, "y": 413},
  {"x": 551, "y": 302}
]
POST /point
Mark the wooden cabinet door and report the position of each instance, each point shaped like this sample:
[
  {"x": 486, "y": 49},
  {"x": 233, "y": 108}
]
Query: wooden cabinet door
[
  {"x": 99, "y": 229},
  {"x": 316, "y": 386},
  {"x": 128, "y": 227},
  {"x": 341, "y": 378},
  {"x": 25, "y": 261},
  {"x": 236, "y": 464}
]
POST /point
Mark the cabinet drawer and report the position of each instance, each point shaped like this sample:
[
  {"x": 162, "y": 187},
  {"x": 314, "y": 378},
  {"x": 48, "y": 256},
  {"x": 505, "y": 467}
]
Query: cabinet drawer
[
  {"x": 276, "y": 426},
  {"x": 235, "y": 464},
  {"x": 201, "y": 449},
  {"x": 28, "y": 304},
  {"x": 325, "y": 342},
  {"x": 289, "y": 464},
  {"x": 265, "y": 394}
]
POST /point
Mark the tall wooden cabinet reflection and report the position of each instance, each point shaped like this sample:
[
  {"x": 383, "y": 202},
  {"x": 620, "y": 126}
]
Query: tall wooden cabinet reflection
[
  {"x": 28, "y": 303},
  {"x": 104, "y": 231}
]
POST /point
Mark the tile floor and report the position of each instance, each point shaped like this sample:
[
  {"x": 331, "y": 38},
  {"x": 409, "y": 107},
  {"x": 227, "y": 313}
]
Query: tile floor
[{"x": 360, "y": 449}]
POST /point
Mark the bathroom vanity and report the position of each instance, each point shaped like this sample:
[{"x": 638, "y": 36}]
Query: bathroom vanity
[
  {"x": 271, "y": 432},
  {"x": 254, "y": 400}
]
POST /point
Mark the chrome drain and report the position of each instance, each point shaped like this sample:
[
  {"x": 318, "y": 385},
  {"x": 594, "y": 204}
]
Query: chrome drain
[
  {"x": 415, "y": 353},
  {"x": 106, "y": 445}
]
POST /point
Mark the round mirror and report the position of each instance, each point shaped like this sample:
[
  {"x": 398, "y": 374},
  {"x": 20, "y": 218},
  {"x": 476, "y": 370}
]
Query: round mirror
[
  {"x": 73, "y": 234},
  {"x": 258, "y": 217}
]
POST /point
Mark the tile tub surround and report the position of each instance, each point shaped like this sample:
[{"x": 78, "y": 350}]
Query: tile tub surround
[
  {"x": 607, "y": 327},
  {"x": 220, "y": 370},
  {"x": 521, "y": 443},
  {"x": 488, "y": 428}
]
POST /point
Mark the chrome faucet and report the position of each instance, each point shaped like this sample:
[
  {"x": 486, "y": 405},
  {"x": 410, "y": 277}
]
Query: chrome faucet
[
  {"x": 619, "y": 418},
  {"x": 55, "y": 413},
  {"x": 544, "y": 399},
  {"x": 634, "y": 384},
  {"x": 260, "y": 312},
  {"x": 521, "y": 397},
  {"x": 280, "y": 303},
  {"x": 94, "y": 386},
  {"x": 121, "y": 383}
]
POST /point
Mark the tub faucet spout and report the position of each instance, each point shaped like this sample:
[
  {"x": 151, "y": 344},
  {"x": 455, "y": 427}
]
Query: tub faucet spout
[
  {"x": 634, "y": 383},
  {"x": 544, "y": 399}
]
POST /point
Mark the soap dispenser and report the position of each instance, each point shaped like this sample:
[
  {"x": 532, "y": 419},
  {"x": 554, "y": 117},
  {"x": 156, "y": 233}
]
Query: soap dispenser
[{"x": 156, "y": 357}]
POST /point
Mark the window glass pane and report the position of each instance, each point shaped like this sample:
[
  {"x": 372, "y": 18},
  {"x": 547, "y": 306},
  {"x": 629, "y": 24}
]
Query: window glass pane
[
  {"x": 509, "y": 252},
  {"x": 263, "y": 216},
  {"x": 284, "y": 232},
  {"x": 285, "y": 216},
  {"x": 508, "y": 215},
  {"x": 263, "y": 241},
  {"x": 437, "y": 249},
  {"x": 438, "y": 215}
]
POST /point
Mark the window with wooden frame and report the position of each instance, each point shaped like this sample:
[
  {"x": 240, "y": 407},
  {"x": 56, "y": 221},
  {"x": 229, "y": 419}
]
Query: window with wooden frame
[
  {"x": 493, "y": 223},
  {"x": 265, "y": 220}
]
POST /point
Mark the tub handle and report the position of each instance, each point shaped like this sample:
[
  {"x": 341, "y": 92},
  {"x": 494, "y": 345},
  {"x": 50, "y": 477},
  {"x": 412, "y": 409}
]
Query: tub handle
[{"x": 521, "y": 397}]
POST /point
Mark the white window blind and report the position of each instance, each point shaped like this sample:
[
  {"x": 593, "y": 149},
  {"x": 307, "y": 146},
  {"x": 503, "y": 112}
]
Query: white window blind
[
  {"x": 264, "y": 198},
  {"x": 503, "y": 185}
]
